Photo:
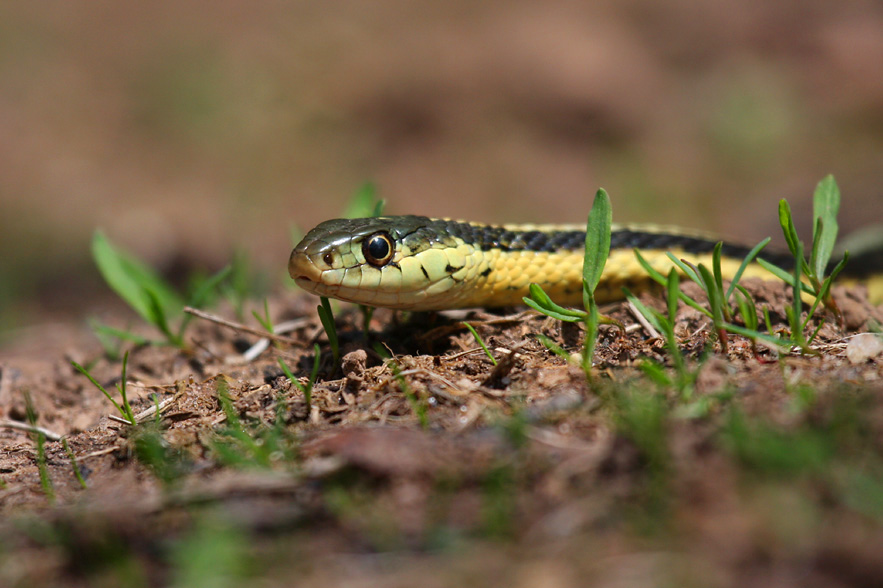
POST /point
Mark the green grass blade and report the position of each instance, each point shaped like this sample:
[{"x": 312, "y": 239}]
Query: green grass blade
[
  {"x": 287, "y": 371},
  {"x": 95, "y": 383},
  {"x": 818, "y": 231},
  {"x": 314, "y": 375},
  {"x": 40, "y": 441},
  {"x": 205, "y": 289},
  {"x": 788, "y": 230},
  {"x": 767, "y": 320},
  {"x": 747, "y": 308},
  {"x": 656, "y": 373},
  {"x": 716, "y": 266},
  {"x": 553, "y": 347},
  {"x": 551, "y": 313},
  {"x": 673, "y": 290},
  {"x": 480, "y": 342},
  {"x": 108, "y": 331},
  {"x": 130, "y": 278},
  {"x": 74, "y": 466},
  {"x": 593, "y": 320},
  {"x": 745, "y": 262},
  {"x": 651, "y": 271},
  {"x": 307, "y": 390},
  {"x": 367, "y": 313},
  {"x": 777, "y": 342},
  {"x": 597, "y": 239},
  {"x": 264, "y": 320},
  {"x": 835, "y": 272},
  {"x": 785, "y": 276},
  {"x": 826, "y": 205},
  {"x": 662, "y": 280},
  {"x": 362, "y": 204},
  {"x": 796, "y": 307},
  {"x": 540, "y": 301},
  {"x": 688, "y": 268},
  {"x": 326, "y": 316},
  {"x": 714, "y": 301},
  {"x": 653, "y": 317},
  {"x": 159, "y": 320},
  {"x": 127, "y": 409},
  {"x": 203, "y": 293}
]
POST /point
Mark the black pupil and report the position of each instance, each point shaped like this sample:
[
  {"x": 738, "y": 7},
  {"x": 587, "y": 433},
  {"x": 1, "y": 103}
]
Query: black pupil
[{"x": 378, "y": 248}]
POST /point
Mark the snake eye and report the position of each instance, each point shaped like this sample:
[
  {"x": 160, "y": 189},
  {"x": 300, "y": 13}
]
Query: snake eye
[
  {"x": 377, "y": 249},
  {"x": 328, "y": 259}
]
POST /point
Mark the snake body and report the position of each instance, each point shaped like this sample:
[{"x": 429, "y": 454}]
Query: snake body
[{"x": 422, "y": 263}]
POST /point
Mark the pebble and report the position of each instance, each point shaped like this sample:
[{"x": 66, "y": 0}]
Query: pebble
[{"x": 863, "y": 347}]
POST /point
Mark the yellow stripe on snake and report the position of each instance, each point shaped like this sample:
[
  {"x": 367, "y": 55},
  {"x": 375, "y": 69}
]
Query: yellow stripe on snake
[{"x": 421, "y": 263}]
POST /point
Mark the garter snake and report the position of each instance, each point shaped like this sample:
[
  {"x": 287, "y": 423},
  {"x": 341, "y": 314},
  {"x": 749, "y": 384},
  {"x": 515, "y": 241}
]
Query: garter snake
[{"x": 421, "y": 263}]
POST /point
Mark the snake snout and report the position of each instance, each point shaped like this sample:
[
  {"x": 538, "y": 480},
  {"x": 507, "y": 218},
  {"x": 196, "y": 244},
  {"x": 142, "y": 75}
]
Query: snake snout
[{"x": 301, "y": 268}]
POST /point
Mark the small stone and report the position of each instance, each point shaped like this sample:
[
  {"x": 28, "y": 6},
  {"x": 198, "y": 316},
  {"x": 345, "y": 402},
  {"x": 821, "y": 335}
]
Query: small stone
[
  {"x": 354, "y": 363},
  {"x": 863, "y": 347}
]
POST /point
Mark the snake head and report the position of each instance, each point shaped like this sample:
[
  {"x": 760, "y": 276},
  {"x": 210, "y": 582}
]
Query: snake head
[{"x": 380, "y": 261}]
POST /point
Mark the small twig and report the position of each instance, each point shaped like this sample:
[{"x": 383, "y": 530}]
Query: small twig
[
  {"x": 640, "y": 318},
  {"x": 20, "y": 426},
  {"x": 255, "y": 350},
  {"x": 432, "y": 374},
  {"x": 462, "y": 353},
  {"x": 99, "y": 452},
  {"x": 291, "y": 325},
  {"x": 503, "y": 320},
  {"x": 148, "y": 413}
]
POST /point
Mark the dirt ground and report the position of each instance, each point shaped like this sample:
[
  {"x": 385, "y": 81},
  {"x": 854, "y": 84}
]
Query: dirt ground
[{"x": 448, "y": 470}]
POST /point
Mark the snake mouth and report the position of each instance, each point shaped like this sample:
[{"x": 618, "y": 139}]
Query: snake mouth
[{"x": 303, "y": 270}]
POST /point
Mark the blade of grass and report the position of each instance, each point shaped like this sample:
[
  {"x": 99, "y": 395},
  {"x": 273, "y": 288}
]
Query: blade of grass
[
  {"x": 70, "y": 455},
  {"x": 553, "y": 347},
  {"x": 597, "y": 250},
  {"x": 826, "y": 205},
  {"x": 40, "y": 441},
  {"x": 83, "y": 371},
  {"x": 788, "y": 229},
  {"x": 688, "y": 268},
  {"x": 784, "y": 275},
  {"x": 745, "y": 262},
  {"x": 326, "y": 316},
  {"x": 479, "y": 340},
  {"x": 202, "y": 293},
  {"x": 662, "y": 281},
  {"x": 364, "y": 202},
  {"x": 307, "y": 390},
  {"x": 597, "y": 240},
  {"x": 541, "y": 302},
  {"x": 130, "y": 278}
]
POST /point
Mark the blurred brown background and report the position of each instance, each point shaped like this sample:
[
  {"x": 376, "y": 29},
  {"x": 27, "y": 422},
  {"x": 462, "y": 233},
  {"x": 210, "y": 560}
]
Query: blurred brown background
[{"x": 188, "y": 128}]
